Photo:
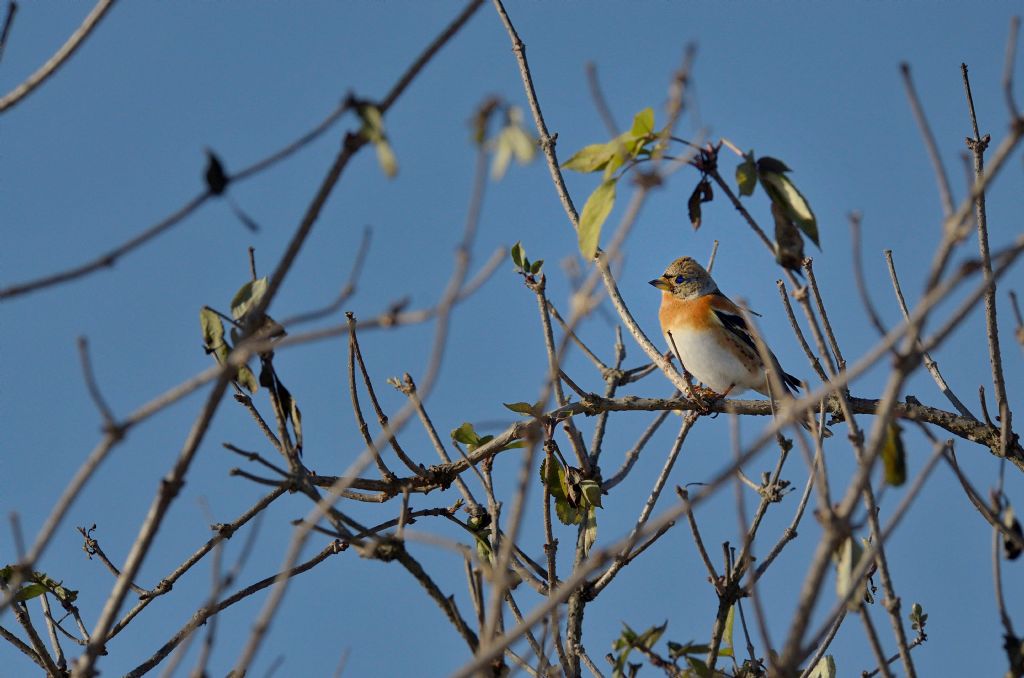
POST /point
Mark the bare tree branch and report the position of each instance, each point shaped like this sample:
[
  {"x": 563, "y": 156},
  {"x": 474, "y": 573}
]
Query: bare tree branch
[{"x": 59, "y": 57}]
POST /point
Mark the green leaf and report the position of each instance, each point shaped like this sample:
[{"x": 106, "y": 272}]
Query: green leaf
[
  {"x": 247, "y": 297},
  {"x": 479, "y": 521},
  {"x": 590, "y": 532},
  {"x": 629, "y": 640},
  {"x": 528, "y": 409},
  {"x": 213, "y": 334},
  {"x": 894, "y": 456},
  {"x": 746, "y": 174},
  {"x": 247, "y": 379},
  {"x": 502, "y": 155},
  {"x": 643, "y": 124},
  {"x": 917, "y": 617},
  {"x": 465, "y": 434},
  {"x": 592, "y": 158},
  {"x": 517, "y": 253},
  {"x": 386, "y": 158},
  {"x": 57, "y": 588},
  {"x": 592, "y": 492},
  {"x": 595, "y": 211},
  {"x": 373, "y": 131},
  {"x": 727, "y": 634},
  {"x": 373, "y": 123},
  {"x": 625, "y": 639},
  {"x": 29, "y": 592},
  {"x": 625, "y": 643},
  {"x": 483, "y": 549},
  {"x": 676, "y": 650},
  {"x": 789, "y": 244},
  {"x": 573, "y": 492},
  {"x": 621, "y": 150},
  {"x": 568, "y": 514},
  {"x": 649, "y": 638},
  {"x": 825, "y": 668},
  {"x": 846, "y": 562},
  {"x": 699, "y": 667},
  {"x": 553, "y": 476},
  {"x": 66, "y": 595},
  {"x": 769, "y": 164},
  {"x": 523, "y": 146},
  {"x": 536, "y": 266},
  {"x": 782, "y": 191}
]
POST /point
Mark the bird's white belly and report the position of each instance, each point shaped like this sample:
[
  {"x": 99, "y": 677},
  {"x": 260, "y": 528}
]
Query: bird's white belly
[{"x": 711, "y": 362}]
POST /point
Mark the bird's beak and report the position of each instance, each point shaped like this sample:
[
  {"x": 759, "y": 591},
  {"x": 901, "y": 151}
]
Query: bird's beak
[{"x": 660, "y": 283}]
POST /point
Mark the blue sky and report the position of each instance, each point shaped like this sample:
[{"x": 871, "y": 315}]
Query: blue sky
[{"x": 114, "y": 142}]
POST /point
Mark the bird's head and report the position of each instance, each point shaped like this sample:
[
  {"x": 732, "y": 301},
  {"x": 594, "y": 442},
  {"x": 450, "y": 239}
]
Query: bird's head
[{"x": 685, "y": 279}]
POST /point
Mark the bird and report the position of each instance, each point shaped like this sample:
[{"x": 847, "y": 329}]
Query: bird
[{"x": 706, "y": 331}]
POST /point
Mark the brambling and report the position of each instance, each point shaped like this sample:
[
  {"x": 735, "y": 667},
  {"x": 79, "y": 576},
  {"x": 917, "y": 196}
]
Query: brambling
[{"x": 707, "y": 332}]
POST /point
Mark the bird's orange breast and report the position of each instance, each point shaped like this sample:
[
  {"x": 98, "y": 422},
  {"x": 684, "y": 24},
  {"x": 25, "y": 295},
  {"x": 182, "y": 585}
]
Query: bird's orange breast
[{"x": 676, "y": 313}]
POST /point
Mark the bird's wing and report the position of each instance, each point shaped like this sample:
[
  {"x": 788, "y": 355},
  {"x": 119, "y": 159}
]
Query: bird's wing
[{"x": 731, "y": 317}]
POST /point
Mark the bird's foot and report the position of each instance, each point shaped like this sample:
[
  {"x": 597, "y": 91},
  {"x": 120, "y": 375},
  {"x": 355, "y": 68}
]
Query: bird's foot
[{"x": 703, "y": 398}]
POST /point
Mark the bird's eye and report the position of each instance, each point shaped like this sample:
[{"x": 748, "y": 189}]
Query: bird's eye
[{"x": 679, "y": 279}]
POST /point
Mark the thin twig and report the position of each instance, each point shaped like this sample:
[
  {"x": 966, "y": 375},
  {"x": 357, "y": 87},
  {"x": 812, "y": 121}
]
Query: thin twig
[
  {"x": 59, "y": 57},
  {"x": 945, "y": 195},
  {"x": 867, "y": 560},
  {"x": 224, "y": 531},
  {"x": 648, "y": 507},
  {"x": 711, "y": 259},
  {"x": 449, "y": 297},
  {"x": 110, "y": 257},
  {"x": 92, "y": 386},
  {"x": 600, "y": 103},
  {"x": 612, "y": 378},
  {"x": 364, "y": 429},
  {"x": 45, "y": 660},
  {"x": 876, "y": 647},
  {"x": 712, "y": 574},
  {"x": 347, "y": 290},
  {"x": 51, "y": 629},
  {"x": 408, "y": 387},
  {"x": 997, "y": 581},
  {"x": 12, "y": 9},
  {"x": 382, "y": 418},
  {"x": 809, "y": 270},
  {"x": 92, "y": 548},
  {"x": 893, "y": 658},
  {"x": 547, "y": 141},
  {"x": 977, "y": 145},
  {"x": 979, "y": 504},
  {"x": 21, "y": 647},
  {"x": 930, "y": 364},
  {"x": 1019, "y": 331},
  {"x": 204, "y": 613},
  {"x": 575, "y": 439},
  {"x": 634, "y": 452},
  {"x": 1008, "y": 67}
]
